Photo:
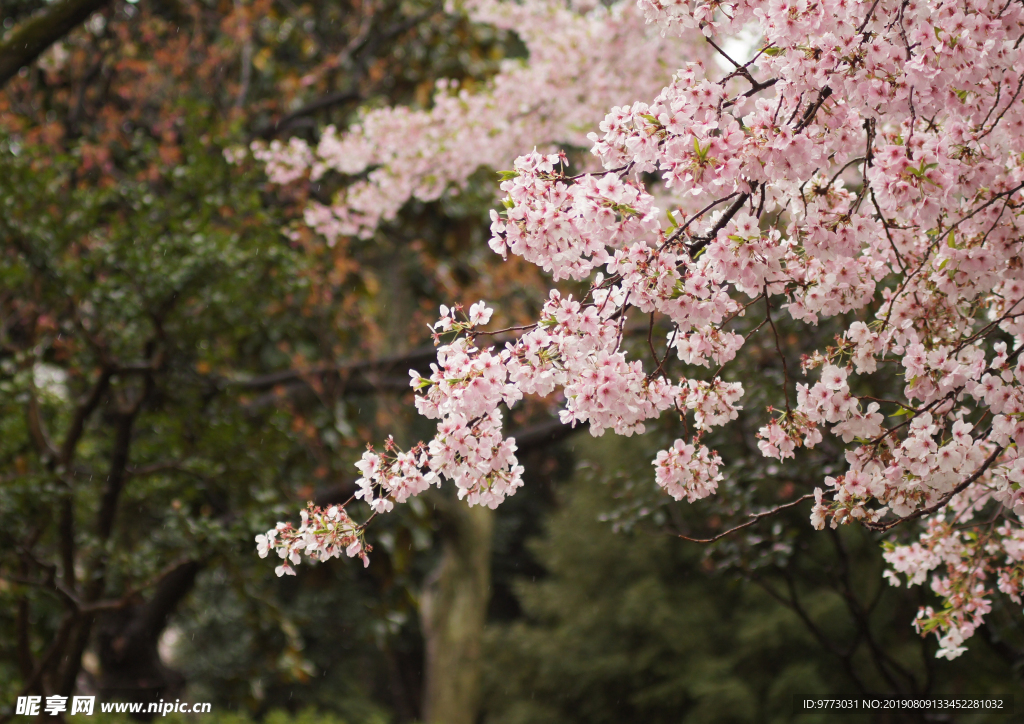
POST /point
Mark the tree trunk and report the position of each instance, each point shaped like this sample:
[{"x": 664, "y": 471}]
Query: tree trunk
[
  {"x": 453, "y": 608},
  {"x": 128, "y": 638}
]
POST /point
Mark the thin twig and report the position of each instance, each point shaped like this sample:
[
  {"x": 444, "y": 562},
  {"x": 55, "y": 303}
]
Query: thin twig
[{"x": 754, "y": 517}]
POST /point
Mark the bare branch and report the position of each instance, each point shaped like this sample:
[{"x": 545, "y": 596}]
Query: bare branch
[
  {"x": 753, "y": 519},
  {"x": 423, "y": 355},
  {"x": 30, "y": 39},
  {"x": 707, "y": 238},
  {"x": 82, "y": 412}
]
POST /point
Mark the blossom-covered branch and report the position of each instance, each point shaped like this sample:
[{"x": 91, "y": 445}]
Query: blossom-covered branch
[{"x": 873, "y": 177}]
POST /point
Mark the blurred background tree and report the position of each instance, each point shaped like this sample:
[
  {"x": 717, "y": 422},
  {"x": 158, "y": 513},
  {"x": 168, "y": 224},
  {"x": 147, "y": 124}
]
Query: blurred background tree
[{"x": 176, "y": 374}]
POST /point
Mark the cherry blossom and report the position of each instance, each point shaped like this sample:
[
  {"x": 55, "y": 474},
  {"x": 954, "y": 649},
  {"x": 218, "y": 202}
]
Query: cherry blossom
[
  {"x": 323, "y": 534},
  {"x": 865, "y": 165},
  {"x": 573, "y": 75}
]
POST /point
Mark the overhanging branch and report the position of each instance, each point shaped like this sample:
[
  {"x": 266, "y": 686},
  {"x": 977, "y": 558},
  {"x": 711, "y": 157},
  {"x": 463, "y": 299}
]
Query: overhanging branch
[{"x": 29, "y": 39}]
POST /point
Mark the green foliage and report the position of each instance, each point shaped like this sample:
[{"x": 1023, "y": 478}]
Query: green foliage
[
  {"x": 142, "y": 290},
  {"x": 247, "y": 639},
  {"x": 139, "y": 268}
]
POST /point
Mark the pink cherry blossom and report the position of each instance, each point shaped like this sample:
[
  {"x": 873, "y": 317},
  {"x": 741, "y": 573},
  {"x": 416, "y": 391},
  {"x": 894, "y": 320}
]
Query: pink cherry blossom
[{"x": 864, "y": 164}]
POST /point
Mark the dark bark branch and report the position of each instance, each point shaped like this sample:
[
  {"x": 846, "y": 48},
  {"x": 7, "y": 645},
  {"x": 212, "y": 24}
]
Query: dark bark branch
[
  {"x": 170, "y": 466},
  {"x": 75, "y": 604},
  {"x": 792, "y": 602},
  {"x": 757, "y": 88},
  {"x": 118, "y": 471},
  {"x": 25, "y": 660},
  {"x": 812, "y": 109},
  {"x": 702, "y": 241},
  {"x": 173, "y": 585},
  {"x": 1010, "y": 654},
  {"x": 135, "y": 641},
  {"x": 68, "y": 668},
  {"x": 539, "y": 436},
  {"x": 35, "y": 681},
  {"x": 115, "y": 477},
  {"x": 29, "y": 39},
  {"x": 885, "y": 664},
  {"x": 368, "y": 377},
  {"x": 357, "y": 54},
  {"x": 109, "y": 500},
  {"x": 528, "y": 439},
  {"x": 37, "y": 430},
  {"x": 753, "y": 519},
  {"x": 128, "y": 639},
  {"x": 382, "y": 365},
  {"x": 66, "y": 529},
  {"x": 332, "y": 99},
  {"x": 361, "y": 385}
]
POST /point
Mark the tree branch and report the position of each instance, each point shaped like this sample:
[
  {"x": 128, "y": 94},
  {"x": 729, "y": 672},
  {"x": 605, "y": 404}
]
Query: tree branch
[
  {"x": 116, "y": 476},
  {"x": 85, "y": 408},
  {"x": 331, "y": 99},
  {"x": 48, "y": 658},
  {"x": 421, "y": 356},
  {"x": 753, "y": 519},
  {"x": 26, "y": 662},
  {"x": 944, "y": 500},
  {"x": 528, "y": 439},
  {"x": 37, "y": 431},
  {"x": 702, "y": 241},
  {"x": 365, "y": 45},
  {"x": 29, "y": 39}
]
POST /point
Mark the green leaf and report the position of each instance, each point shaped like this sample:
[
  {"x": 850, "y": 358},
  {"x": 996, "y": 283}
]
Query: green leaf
[{"x": 702, "y": 153}]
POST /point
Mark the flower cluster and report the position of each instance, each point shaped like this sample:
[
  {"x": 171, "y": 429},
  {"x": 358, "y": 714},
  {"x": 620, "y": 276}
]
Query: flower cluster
[
  {"x": 574, "y": 74},
  {"x": 688, "y": 471},
  {"x": 547, "y": 217},
  {"x": 463, "y": 393},
  {"x": 867, "y": 163},
  {"x": 962, "y": 567},
  {"x": 322, "y": 535}
]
